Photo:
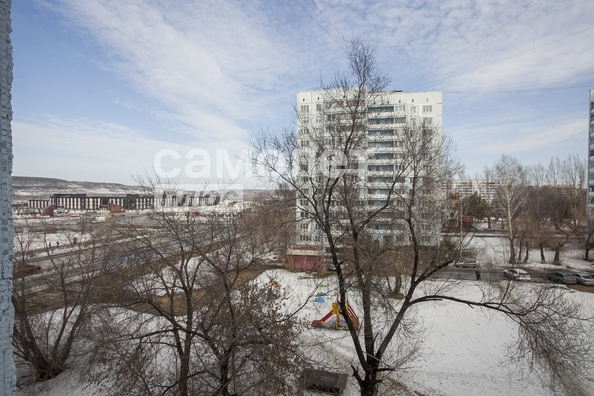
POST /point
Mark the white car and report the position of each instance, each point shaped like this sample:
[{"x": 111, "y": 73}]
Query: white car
[
  {"x": 584, "y": 279},
  {"x": 516, "y": 274}
]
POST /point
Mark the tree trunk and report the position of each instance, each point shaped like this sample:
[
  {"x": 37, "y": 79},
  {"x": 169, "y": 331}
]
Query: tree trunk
[
  {"x": 512, "y": 251},
  {"x": 557, "y": 259},
  {"x": 542, "y": 256},
  {"x": 526, "y": 256},
  {"x": 397, "y": 284},
  {"x": 369, "y": 384}
]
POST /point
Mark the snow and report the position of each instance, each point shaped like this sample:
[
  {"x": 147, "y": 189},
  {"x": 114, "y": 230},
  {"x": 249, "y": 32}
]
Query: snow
[
  {"x": 494, "y": 253},
  {"x": 462, "y": 349}
]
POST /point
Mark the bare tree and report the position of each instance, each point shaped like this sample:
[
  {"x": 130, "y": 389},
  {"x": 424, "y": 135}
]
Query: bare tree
[
  {"x": 194, "y": 320},
  {"x": 55, "y": 288},
  {"x": 511, "y": 198},
  {"x": 322, "y": 163}
]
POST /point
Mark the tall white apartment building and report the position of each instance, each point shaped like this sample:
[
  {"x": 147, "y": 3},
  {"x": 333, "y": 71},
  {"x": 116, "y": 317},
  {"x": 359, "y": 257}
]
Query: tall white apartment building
[
  {"x": 590, "y": 205},
  {"x": 377, "y": 156}
]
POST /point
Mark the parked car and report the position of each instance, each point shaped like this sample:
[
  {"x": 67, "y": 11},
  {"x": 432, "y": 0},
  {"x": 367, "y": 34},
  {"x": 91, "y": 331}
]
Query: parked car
[
  {"x": 562, "y": 277},
  {"x": 467, "y": 263},
  {"x": 22, "y": 270},
  {"x": 516, "y": 274},
  {"x": 584, "y": 279}
]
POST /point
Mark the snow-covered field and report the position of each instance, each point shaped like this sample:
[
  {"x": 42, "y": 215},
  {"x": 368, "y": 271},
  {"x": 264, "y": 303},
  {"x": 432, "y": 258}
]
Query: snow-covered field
[{"x": 462, "y": 350}]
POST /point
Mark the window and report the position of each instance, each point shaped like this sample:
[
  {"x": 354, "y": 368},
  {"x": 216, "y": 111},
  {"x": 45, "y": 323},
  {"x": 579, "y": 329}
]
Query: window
[
  {"x": 380, "y": 168},
  {"x": 400, "y": 120},
  {"x": 399, "y": 109},
  {"x": 413, "y": 109},
  {"x": 303, "y": 226},
  {"x": 380, "y": 144},
  {"x": 380, "y": 179},
  {"x": 319, "y": 107},
  {"x": 378, "y": 191},
  {"x": 385, "y": 120},
  {"x": 378, "y": 203},
  {"x": 381, "y": 132},
  {"x": 382, "y": 156},
  {"x": 382, "y": 109},
  {"x": 427, "y": 109},
  {"x": 427, "y": 121},
  {"x": 305, "y": 108}
]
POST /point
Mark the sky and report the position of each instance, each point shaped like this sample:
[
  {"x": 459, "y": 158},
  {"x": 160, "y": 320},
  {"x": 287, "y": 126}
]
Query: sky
[{"x": 105, "y": 89}]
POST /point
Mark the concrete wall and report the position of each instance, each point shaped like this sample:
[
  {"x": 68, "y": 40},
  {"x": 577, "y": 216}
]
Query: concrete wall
[{"x": 7, "y": 372}]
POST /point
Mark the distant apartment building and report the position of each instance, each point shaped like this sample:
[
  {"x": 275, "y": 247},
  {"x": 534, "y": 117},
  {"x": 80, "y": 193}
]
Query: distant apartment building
[
  {"x": 464, "y": 188},
  {"x": 590, "y": 205},
  {"x": 379, "y": 153},
  {"x": 83, "y": 202}
]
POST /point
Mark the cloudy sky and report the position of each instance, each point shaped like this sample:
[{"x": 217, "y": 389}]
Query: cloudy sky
[{"x": 101, "y": 86}]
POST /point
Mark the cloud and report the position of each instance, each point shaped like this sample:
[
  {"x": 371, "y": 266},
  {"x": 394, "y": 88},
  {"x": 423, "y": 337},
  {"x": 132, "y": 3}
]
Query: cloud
[
  {"x": 81, "y": 149},
  {"x": 533, "y": 137},
  {"x": 221, "y": 67},
  {"x": 207, "y": 62}
]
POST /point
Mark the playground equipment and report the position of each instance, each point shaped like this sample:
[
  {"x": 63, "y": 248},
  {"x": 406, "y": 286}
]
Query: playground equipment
[
  {"x": 273, "y": 290},
  {"x": 336, "y": 311},
  {"x": 320, "y": 296}
]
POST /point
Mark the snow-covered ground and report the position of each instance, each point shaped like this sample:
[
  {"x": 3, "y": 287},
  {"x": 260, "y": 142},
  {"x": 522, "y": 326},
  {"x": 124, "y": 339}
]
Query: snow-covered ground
[
  {"x": 462, "y": 350},
  {"x": 493, "y": 251}
]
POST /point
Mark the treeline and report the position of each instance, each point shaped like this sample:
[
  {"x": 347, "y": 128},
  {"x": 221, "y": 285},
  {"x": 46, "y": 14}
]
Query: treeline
[{"x": 536, "y": 205}]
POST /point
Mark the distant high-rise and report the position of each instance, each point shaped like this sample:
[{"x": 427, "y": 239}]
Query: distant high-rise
[
  {"x": 590, "y": 204},
  {"x": 7, "y": 371},
  {"x": 378, "y": 150}
]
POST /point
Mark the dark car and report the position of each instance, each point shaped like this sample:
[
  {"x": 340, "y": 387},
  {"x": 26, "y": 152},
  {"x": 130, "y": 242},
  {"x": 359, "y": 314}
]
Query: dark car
[
  {"x": 22, "y": 270},
  {"x": 467, "y": 263},
  {"x": 562, "y": 277}
]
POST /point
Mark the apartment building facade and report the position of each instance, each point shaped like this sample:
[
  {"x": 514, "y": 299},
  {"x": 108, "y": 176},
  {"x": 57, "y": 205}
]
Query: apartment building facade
[
  {"x": 7, "y": 369},
  {"x": 380, "y": 131}
]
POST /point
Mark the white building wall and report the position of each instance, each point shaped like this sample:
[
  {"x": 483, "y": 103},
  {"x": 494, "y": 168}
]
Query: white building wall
[
  {"x": 590, "y": 204},
  {"x": 7, "y": 372},
  {"x": 404, "y": 108}
]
